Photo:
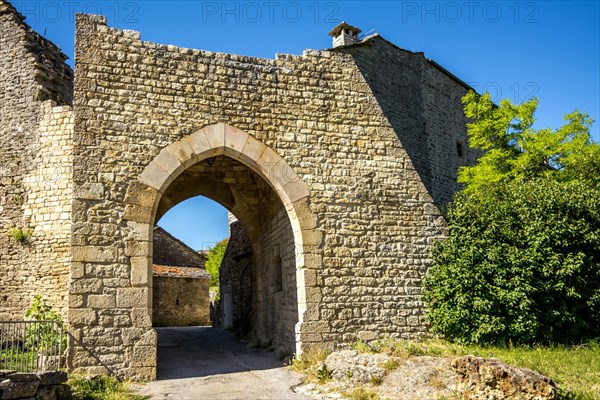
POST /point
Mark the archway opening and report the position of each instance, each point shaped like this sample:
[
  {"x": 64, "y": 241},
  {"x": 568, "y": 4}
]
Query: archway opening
[
  {"x": 188, "y": 244},
  {"x": 258, "y": 289}
]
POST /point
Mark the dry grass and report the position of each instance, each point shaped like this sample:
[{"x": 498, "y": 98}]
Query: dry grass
[
  {"x": 362, "y": 394},
  {"x": 310, "y": 363},
  {"x": 101, "y": 388}
]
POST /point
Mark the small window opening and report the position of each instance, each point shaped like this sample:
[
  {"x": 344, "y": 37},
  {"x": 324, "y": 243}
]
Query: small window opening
[
  {"x": 278, "y": 284},
  {"x": 460, "y": 150},
  {"x": 176, "y": 302}
]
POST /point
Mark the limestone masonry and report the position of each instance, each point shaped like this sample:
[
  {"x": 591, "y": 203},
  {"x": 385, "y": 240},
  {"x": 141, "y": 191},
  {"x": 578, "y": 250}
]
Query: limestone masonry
[{"x": 336, "y": 164}]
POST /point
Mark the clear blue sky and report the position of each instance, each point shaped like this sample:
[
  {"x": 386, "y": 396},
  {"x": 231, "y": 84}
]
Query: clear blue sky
[{"x": 549, "y": 49}]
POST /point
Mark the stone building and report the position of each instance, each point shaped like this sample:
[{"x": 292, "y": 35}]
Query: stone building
[
  {"x": 179, "y": 283},
  {"x": 335, "y": 162}
]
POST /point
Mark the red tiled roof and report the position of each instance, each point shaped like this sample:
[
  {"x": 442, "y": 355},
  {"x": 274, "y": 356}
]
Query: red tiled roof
[{"x": 179, "y": 272}]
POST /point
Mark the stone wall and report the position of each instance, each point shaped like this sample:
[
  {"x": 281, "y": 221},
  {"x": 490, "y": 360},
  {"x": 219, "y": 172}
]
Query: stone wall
[
  {"x": 336, "y": 163},
  {"x": 422, "y": 102},
  {"x": 360, "y": 237},
  {"x": 235, "y": 274},
  {"x": 32, "y": 70},
  {"x": 27, "y": 386},
  {"x": 179, "y": 301}
]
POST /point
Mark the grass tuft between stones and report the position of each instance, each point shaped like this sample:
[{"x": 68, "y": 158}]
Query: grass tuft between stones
[{"x": 101, "y": 388}]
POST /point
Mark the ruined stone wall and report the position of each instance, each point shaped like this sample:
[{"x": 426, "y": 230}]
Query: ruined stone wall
[
  {"x": 364, "y": 254},
  {"x": 49, "y": 189},
  {"x": 32, "y": 70},
  {"x": 180, "y": 301}
]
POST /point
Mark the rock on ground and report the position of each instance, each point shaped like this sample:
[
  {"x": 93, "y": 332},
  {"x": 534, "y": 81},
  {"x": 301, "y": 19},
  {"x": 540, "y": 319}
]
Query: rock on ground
[
  {"x": 481, "y": 378},
  {"x": 430, "y": 378},
  {"x": 419, "y": 378},
  {"x": 354, "y": 366}
]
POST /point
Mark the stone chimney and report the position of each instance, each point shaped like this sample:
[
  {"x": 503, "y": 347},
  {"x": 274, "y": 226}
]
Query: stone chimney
[{"x": 344, "y": 34}]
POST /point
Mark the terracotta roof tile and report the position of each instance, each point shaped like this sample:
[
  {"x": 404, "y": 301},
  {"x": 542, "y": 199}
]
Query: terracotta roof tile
[{"x": 179, "y": 272}]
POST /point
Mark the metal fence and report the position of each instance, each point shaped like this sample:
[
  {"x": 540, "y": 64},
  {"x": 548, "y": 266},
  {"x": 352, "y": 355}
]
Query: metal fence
[{"x": 32, "y": 346}]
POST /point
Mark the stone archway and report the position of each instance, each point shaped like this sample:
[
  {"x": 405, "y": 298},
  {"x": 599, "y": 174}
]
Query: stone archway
[{"x": 145, "y": 201}]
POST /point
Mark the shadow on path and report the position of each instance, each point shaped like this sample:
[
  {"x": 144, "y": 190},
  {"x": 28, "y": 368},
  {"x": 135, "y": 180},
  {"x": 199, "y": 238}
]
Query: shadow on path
[
  {"x": 200, "y": 351},
  {"x": 207, "y": 363}
]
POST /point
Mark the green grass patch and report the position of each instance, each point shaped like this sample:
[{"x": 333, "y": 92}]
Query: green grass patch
[{"x": 101, "y": 388}]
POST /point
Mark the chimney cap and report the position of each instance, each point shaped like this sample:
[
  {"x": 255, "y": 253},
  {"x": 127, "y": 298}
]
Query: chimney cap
[{"x": 344, "y": 25}]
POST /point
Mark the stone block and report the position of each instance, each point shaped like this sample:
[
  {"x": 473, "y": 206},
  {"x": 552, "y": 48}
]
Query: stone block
[
  {"x": 296, "y": 190},
  {"x": 144, "y": 356},
  {"x": 138, "y": 214},
  {"x": 252, "y": 151},
  {"x": 102, "y": 301},
  {"x": 142, "y": 317},
  {"x": 132, "y": 297},
  {"x": 52, "y": 378},
  {"x": 141, "y": 271},
  {"x": 20, "y": 390},
  {"x": 140, "y": 194},
  {"x": 235, "y": 140},
  {"x": 155, "y": 177},
  {"x": 184, "y": 152},
  {"x": 215, "y": 135},
  {"x": 198, "y": 143},
  {"x": 138, "y": 248},
  {"x": 90, "y": 191},
  {"x": 86, "y": 286},
  {"x": 168, "y": 162},
  {"x": 82, "y": 317},
  {"x": 92, "y": 253}
]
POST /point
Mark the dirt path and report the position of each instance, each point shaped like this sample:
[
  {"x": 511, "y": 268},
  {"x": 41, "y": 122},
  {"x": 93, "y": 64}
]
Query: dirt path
[{"x": 206, "y": 363}]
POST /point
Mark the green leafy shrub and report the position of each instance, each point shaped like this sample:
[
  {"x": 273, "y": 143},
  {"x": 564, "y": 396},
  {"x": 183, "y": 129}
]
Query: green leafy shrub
[
  {"x": 44, "y": 335},
  {"x": 521, "y": 265}
]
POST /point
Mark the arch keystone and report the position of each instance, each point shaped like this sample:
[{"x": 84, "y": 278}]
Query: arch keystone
[
  {"x": 215, "y": 135},
  {"x": 235, "y": 140}
]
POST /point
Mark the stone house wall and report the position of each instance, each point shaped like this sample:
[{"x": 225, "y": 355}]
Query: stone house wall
[
  {"x": 35, "y": 182},
  {"x": 179, "y": 283},
  {"x": 180, "y": 301}
]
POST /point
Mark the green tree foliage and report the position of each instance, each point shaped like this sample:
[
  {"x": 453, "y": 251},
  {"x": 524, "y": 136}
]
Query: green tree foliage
[
  {"x": 522, "y": 260},
  {"x": 515, "y": 151},
  {"x": 213, "y": 261}
]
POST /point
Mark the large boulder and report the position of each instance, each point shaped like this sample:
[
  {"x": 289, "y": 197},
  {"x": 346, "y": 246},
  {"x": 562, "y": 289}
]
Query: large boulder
[{"x": 491, "y": 379}]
